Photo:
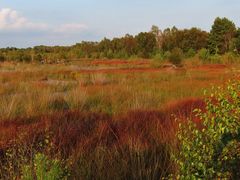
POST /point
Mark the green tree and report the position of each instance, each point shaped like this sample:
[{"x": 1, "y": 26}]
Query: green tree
[
  {"x": 221, "y": 36},
  {"x": 186, "y": 39},
  {"x": 158, "y": 35},
  {"x": 130, "y": 45},
  {"x": 146, "y": 44}
]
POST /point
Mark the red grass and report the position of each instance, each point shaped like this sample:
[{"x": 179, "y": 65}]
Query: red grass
[{"x": 79, "y": 131}]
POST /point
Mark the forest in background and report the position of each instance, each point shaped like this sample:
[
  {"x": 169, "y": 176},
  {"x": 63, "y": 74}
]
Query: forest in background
[{"x": 171, "y": 43}]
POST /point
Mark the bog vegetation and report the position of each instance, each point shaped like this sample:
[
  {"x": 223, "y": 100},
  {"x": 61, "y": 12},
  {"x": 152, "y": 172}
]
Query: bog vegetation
[{"x": 79, "y": 112}]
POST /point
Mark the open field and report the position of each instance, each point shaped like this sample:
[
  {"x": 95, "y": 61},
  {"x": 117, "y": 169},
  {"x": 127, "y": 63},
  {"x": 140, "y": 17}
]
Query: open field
[{"x": 98, "y": 114}]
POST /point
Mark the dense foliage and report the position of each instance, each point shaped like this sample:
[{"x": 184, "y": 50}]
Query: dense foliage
[
  {"x": 212, "y": 151},
  {"x": 223, "y": 37}
]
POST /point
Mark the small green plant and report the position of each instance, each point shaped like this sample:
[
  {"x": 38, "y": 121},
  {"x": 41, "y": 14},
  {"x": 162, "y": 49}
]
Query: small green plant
[
  {"x": 44, "y": 169},
  {"x": 212, "y": 151}
]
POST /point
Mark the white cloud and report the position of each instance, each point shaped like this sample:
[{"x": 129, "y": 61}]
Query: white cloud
[
  {"x": 12, "y": 20},
  {"x": 71, "y": 28}
]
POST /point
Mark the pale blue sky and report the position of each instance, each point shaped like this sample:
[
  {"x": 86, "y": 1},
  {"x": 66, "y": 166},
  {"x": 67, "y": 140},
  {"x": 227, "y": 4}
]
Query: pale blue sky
[{"x": 64, "y": 22}]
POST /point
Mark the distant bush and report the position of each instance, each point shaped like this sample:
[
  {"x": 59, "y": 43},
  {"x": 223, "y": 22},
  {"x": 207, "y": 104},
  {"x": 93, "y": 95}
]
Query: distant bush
[
  {"x": 166, "y": 55},
  {"x": 176, "y": 56},
  {"x": 159, "y": 56},
  {"x": 190, "y": 53},
  {"x": 213, "y": 151},
  {"x": 203, "y": 54}
]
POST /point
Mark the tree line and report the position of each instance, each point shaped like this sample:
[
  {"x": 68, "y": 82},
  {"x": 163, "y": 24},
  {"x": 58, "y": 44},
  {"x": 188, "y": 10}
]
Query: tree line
[{"x": 224, "y": 37}]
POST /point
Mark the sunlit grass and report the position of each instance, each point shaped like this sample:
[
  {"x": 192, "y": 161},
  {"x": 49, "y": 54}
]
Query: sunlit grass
[{"x": 27, "y": 90}]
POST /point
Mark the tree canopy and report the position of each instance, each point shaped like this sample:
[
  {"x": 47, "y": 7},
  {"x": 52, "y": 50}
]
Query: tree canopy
[{"x": 223, "y": 37}]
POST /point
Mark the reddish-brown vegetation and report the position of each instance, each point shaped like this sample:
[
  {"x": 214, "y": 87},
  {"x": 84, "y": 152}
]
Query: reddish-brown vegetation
[{"x": 71, "y": 131}]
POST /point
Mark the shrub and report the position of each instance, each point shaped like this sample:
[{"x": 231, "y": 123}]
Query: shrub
[
  {"x": 203, "y": 54},
  {"x": 166, "y": 55},
  {"x": 176, "y": 56},
  {"x": 212, "y": 152},
  {"x": 190, "y": 53},
  {"x": 158, "y": 56},
  {"x": 44, "y": 168}
]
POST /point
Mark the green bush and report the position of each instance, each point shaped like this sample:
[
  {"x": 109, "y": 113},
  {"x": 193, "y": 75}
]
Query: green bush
[
  {"x": 176, "y": 56},
  {"x": 190, "y": 53},
  {"x": 213, "y": 151},
  {"x": 166, "y": 55},
  {"x": 44, "y": 169},
  {"x": 158, "y": 56},
  {"x": 203, "y": 54}
]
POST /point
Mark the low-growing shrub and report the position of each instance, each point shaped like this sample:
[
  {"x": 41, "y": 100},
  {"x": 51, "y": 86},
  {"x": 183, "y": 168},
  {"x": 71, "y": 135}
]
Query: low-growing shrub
[
  {"x": 213, "y": 150},
  {"x": 44, "y": 168},
  {"x": 203, "y": 54},
  {"x": 176, "y": 56},
  {"x": 158, "y": 56},
  {"x": 190, "y": 53}
]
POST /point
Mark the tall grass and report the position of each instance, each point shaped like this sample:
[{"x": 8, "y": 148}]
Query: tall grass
[
  {"x": 135, "y": 145},
  {"x": 31, "y": 93}
]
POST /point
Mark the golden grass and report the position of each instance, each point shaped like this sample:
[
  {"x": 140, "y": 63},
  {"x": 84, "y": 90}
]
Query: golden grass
[{"x": 27, "y": 90}]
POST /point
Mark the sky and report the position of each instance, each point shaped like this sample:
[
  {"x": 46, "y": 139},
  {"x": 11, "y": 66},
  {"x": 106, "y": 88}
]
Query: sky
[{"x": 27, "y": 23}]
